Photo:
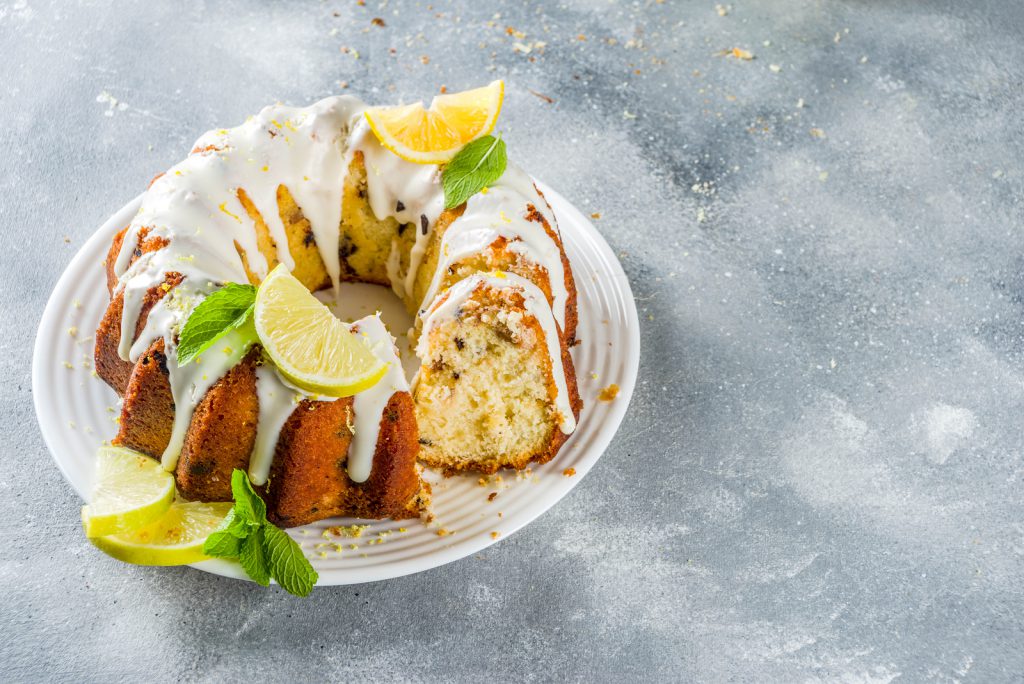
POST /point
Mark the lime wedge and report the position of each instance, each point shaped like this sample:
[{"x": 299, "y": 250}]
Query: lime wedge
[
  {"x": 175, "y": 539},
  {"x": 131, "y": 490},
  {"x": 308, "y": 344}
]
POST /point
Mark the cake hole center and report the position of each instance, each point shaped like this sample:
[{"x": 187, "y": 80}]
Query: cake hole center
[{"x": 357, "y": 300}]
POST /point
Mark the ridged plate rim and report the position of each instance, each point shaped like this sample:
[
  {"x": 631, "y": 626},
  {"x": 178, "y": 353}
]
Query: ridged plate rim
[{"x": 608, "y": 322}]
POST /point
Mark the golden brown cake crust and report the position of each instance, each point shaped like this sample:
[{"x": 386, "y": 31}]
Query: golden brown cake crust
[
  {"x": 221, "y": 434},
  {"x": 308, "y": 478},
  {"x": 147, "y": 414},
  {"x": 114, "y": 370}
]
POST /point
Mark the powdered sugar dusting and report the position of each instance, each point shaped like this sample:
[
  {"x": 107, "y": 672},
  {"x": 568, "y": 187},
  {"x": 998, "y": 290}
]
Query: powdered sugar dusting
[{"x": 947, "y": 428}]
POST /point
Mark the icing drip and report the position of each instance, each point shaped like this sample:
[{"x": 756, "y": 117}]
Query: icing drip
[
  {"x": 190, "y": 383},
  {"x": 278, "y": 399},
  {"x": 276, "y": 403},
  {"x": 195, "y": 205},
  {"x": 406, "y": 192},
  {"x": 370, "y": 404},
  {"x": 447, "y": 308},
  {"x": 491, "y": 216}
]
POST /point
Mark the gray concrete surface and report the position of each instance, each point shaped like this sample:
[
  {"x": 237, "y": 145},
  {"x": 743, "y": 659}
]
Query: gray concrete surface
[{"x": 820, "y": 477}]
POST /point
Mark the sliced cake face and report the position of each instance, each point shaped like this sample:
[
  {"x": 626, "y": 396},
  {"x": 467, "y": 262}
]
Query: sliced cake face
[
  {"x": 313, "y": 189},
  {"x": 497, "y": 387}
]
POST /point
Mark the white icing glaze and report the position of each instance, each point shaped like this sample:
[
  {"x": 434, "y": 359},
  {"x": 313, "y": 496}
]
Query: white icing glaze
[
  {"x": 407, "y": 192},
  {"x": 446, "y": 308},
  {"x": 501, "y": 212},
  {"x": 277, "y": 401},
  {"x": 369, "y": 405},
  {"x": 195, "y": 205}
]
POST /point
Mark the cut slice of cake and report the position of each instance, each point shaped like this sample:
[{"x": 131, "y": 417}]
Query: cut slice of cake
[{"x": 497, "y": 387}]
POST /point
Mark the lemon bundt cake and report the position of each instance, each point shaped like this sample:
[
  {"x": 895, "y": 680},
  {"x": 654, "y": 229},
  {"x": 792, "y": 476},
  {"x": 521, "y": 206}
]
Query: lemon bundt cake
[{"x": 315, "y": 190}]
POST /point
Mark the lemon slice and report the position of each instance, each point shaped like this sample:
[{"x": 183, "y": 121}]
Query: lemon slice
[
  {"x": 131, "y": 491},
  {"x": 175, "y": 539},
  {"x": 435, "y": 135},
  {"x": 308, "y": 344}
]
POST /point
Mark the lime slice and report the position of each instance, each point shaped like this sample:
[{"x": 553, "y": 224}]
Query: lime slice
[
  {"x": 175, "y": 539},
  {"x": 131, "y": 491},
  {"x": 435, "y": 135},
  {"x": 308, "y": 344}
]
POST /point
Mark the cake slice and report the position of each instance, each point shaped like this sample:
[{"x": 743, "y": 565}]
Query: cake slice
[{"x": 497, "y": 387}]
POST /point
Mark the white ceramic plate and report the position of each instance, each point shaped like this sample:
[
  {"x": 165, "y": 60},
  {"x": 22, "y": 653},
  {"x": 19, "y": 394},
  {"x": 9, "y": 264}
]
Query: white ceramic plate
[{"x": 77, "y": 411}]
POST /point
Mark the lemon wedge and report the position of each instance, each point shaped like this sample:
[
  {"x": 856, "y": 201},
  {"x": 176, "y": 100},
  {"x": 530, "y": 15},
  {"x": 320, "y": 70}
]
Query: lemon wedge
[
  {"x": 131, "y": 490},
  {"x": 175, "y": 539},
  {"x": 435, "y": 135},
  {"x": 308, "y": 344}
]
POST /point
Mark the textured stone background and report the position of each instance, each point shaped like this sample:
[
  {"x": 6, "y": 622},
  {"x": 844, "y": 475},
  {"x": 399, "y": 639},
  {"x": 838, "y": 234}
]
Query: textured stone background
[{"x": 820, "y": 477}]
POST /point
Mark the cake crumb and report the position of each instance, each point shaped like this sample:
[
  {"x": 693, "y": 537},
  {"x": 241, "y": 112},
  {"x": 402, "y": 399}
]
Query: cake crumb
[
  {"x": 495, "y": 535},
  {"x": 354, "y": 531},
  {"x": 73, "y": 330},
  {"x": 596, "y": 215},
  {"x": 738, "y": 53},
  {"x": 609, "y": 393},
  {"x": 817, "y": 133},
  {"x": 492, "y": 496},
  {"x": 444, "y": 532},
  {"x": 569, "y": 472}
]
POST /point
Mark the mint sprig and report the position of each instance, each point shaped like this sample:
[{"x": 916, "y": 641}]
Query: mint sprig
[
  {"x": 226, "y": 309},
  {"x": 263, "y": 550},
  {"x": 477, "y": 165}
]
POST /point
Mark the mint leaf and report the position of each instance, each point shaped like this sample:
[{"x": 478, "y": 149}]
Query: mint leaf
[
  {"x": 248, "y": 504},
  {"x": 263, "y": 550},
  {"x": 222, "y": 545},
  {"x": 253, "y": 558},
  {"x": 477, "y": 165},
  {"x": 287, "y": 563},
  {"x": 236, "y": 525},
  {"x": 220, "y": 313},
  {"x": 226, "y": 540}
]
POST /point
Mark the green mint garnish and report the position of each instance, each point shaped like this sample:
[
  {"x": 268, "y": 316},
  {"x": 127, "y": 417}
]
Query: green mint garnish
[
  {"x": 253, "y": 557},
  {"x": 477, "y": 165},
  {"x": 287, "y": 563},
  {"x": 263, "y": 550},
  {"x": 226, "y": 309}
]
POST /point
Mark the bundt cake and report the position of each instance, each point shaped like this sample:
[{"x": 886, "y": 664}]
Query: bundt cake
[{"x": 313, "y": 189}]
